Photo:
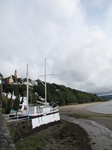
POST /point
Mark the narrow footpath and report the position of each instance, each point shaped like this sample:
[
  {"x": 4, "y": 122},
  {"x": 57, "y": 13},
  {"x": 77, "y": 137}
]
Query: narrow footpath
[{"x": 6, "y": 142}]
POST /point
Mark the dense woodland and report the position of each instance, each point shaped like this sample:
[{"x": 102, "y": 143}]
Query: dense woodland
[{"x": 55, "y": 93}]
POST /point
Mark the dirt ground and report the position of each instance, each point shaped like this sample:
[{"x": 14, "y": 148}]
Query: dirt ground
[{"x": 60, "y": 136}]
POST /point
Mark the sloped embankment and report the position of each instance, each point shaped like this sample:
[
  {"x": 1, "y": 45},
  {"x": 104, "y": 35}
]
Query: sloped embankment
[{"x": 61, "y": 135}]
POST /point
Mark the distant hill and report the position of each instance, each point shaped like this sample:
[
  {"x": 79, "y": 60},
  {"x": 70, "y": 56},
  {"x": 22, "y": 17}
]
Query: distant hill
[{"x": 106, "y": 96}]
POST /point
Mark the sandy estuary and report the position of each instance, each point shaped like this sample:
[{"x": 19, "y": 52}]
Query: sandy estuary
[{"x": 97, "y": 125}]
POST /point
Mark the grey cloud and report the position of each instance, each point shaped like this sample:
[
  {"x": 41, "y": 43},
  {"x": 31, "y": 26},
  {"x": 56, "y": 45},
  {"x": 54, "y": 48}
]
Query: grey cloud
[{"x": 78, "y": 51}]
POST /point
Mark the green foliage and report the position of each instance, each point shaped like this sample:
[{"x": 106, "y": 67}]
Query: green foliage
[
  {"x": 17, "y": 89},
  {"x": 11, "y": 131},
  {"x": 16, "y": 104},
  {"x": 4, "y": 106},
  {"x": 55, "y": 93},
  {"x": 40, "y": 89},
  {"x": 33, "y": 142},
  {"x": 9, "y": 104},
  {"x": 21, "y": 90}
]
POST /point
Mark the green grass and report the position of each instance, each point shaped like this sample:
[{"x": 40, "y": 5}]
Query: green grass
[
  {"x": 33, "y": 142},
  {"x": 76, "y": 115},
  {"x": 11, "y": 132}
]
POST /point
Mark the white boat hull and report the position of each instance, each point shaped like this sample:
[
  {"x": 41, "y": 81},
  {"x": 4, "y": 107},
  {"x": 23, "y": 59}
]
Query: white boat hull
[{"x": 36, "y": 122}]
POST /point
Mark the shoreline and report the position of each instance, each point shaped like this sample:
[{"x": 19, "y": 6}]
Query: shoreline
[
  {"x": 97, "y": 125},
  {"x": 101, "y": 118}
]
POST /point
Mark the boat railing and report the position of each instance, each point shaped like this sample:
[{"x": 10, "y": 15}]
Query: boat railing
[
  {"x": 39, "y": 110},
  {"x": 31, "y": 110},
  {"x": 35, "y": 110},
  {"x": 15, "y": 117},
  {"x": 54, "y": 108}
]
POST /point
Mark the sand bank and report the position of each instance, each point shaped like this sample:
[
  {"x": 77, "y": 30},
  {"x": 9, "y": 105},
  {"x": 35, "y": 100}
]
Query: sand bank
[{"x": 97, "y": 125}]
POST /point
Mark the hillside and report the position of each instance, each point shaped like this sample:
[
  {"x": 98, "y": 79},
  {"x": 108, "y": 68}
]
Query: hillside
[{"x": 55, "y": 93}]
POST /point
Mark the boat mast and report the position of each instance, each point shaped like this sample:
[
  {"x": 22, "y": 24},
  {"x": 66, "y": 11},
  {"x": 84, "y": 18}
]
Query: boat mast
[
  {"x": 45, "y": 85},
  {"x": 27, "y": 88}
]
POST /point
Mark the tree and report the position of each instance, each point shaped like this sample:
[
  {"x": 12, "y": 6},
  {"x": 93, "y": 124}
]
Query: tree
[
  {"x": 9, "y": 105},
  {"x": 16, "y": 104},
  {"x": 4, "y": 106}
]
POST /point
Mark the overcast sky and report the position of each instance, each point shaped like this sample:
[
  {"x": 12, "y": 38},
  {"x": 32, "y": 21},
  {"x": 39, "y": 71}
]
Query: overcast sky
[{"x": 75, "y": 37}]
